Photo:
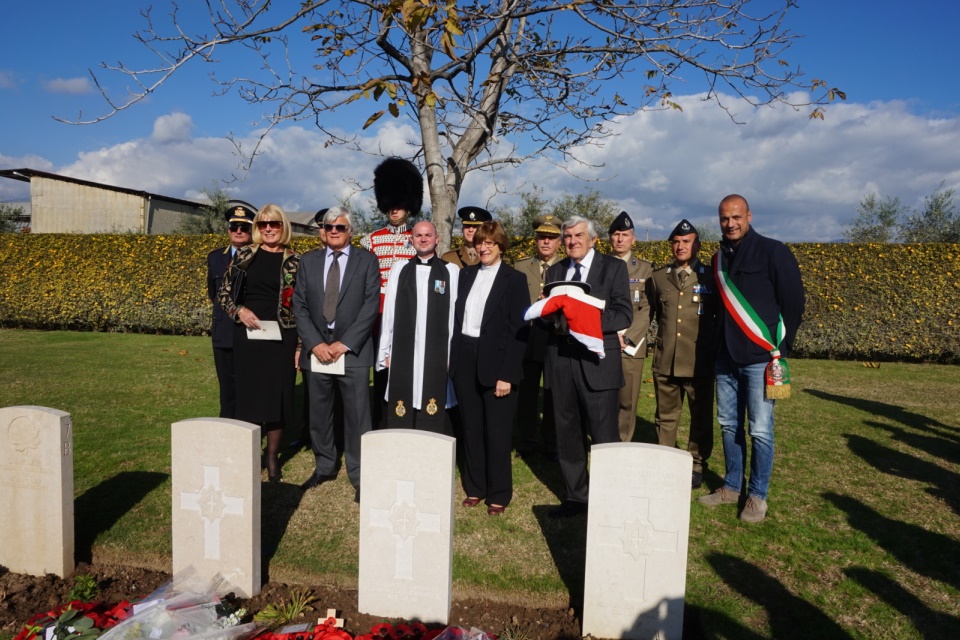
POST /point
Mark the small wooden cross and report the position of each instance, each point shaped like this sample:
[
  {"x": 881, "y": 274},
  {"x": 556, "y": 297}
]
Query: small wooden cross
[{"x": 332, "y": 613}]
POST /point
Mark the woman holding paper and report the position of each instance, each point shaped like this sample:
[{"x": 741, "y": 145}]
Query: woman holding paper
[
  {"x": 486, "y": 359},
  {"x": 257, "y": 292}
]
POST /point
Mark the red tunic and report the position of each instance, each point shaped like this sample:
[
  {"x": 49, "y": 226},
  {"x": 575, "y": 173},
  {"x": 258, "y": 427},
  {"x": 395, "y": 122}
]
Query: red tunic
[{"x": 390, "y": 245}]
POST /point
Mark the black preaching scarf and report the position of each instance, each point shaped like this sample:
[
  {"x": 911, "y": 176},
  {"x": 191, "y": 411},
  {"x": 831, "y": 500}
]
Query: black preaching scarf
[{"x": 434, "y": 397}]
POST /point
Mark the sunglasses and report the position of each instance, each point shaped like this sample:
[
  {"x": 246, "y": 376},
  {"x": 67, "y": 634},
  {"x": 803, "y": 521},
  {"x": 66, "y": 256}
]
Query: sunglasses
[
  {"x": 240, "y": 226},
  {"x": 340, "y": 228},
  {"x": 269, "y": 224}
]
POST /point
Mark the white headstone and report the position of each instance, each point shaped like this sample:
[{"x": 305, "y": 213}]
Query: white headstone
[
  {"x": 36, "y": 491},
  {"x": 637, "y": 528},
  {"x": 216, "y": 501},
  {"x": 406, "y": 524}
]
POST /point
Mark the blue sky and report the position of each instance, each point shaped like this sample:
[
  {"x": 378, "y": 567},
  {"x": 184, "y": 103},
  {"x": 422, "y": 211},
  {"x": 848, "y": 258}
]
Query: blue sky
[{"x": 897, "y": 134}]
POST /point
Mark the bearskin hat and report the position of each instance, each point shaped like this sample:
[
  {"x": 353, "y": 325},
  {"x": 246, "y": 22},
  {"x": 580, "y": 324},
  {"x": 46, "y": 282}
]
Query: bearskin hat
[{"x": 397, "y": 183}]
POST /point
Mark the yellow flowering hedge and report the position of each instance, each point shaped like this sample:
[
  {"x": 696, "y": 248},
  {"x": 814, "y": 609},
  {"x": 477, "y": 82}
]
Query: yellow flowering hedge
[{"x": 868, "y": 301}]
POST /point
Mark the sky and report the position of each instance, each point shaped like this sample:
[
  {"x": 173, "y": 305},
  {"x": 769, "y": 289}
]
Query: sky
[{"x": 897, "y": 134}]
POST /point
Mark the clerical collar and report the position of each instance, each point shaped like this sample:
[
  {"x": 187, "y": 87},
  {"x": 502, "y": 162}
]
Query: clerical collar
[
  {"x": 426, "y": 262},
  {"x": 400, "y": 228}
]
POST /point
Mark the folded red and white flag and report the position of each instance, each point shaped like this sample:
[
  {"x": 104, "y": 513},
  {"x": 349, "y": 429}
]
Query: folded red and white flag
[{"x": 582, "y": 312}]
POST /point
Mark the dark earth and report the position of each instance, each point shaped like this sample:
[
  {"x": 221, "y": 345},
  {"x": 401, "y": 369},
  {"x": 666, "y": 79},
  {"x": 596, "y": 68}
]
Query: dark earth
[{"x": 21, "y": 596}]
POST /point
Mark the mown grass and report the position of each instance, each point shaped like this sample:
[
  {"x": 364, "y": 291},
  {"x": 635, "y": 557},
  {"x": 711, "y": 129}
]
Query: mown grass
[{"x": 862, "y": 538}]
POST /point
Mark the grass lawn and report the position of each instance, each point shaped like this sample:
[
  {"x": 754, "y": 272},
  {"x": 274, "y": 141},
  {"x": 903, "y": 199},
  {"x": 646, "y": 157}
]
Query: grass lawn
[{"x": 862, "y": 538}]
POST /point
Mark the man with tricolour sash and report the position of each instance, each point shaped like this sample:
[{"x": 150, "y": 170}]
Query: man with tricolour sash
[{"x": 762, "y": 305}]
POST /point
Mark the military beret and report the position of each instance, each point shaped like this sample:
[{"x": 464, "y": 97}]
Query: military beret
[
  {"x": 683, "y": 228},
  {"x": 621, "y": 223},
  {"x": 474, "y": 215},
  {"x": 318, "y": 219}
]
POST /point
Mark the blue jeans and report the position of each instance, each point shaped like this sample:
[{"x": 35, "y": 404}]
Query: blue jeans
[{"x": 740, "y": 390}]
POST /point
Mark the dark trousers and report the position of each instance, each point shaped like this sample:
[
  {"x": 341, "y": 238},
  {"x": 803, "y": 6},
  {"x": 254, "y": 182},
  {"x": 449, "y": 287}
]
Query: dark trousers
[
  {"x": 627, "y": 417},
  {"x": 487, "y": 423},
  {"x": 354, "y": 387},
  {"x": 223, "y": 361},
  {"x": 528, "y": 415},
  {"x": 670, "y": 391},
  {"x": 579, "y": 412}
]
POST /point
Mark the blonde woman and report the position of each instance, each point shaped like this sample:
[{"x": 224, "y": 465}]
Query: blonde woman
[{"x": 258, "y": 288}]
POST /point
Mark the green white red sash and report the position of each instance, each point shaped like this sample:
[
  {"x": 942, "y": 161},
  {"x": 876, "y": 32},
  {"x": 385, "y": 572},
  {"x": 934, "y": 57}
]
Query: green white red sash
[{"x": 749, "y": 321}]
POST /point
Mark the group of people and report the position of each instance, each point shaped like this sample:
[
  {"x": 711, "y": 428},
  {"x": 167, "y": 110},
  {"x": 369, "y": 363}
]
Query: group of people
[{"x": 453, "y": 354}]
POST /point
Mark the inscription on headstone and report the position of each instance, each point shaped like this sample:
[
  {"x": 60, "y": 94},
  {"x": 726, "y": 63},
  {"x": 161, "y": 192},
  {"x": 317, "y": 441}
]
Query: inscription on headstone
[
  {"x": 216, "y": 500},
  {"x": 36, "y": 490},
  {"x": 406, "y": 524},
  {"x": 637, "y": 529}
]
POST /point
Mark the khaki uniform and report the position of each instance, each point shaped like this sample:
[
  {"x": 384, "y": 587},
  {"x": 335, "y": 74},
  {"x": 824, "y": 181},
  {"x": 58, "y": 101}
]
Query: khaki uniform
[
  {"x": 529, "y": 391},
  {"x": 639, "y": 272},
  {"x": 462, "y": 257},
  {"x": 686, "y": 348}
]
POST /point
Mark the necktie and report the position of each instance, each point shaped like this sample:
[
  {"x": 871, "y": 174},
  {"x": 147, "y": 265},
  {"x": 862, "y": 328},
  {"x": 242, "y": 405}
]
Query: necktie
[
  {"x": 576, "y": 272},
  {"x": 543, "y": 271},
  {"x": 683, "y": 277},
  {"x": 331, "y": 293}
]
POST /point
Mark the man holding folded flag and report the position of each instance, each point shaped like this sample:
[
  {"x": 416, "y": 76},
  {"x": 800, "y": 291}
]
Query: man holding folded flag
[{"x": 759, "y": 283}]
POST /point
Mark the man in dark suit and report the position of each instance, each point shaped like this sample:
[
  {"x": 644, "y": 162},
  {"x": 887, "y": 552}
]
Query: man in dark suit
[
  {"x": 337, "y": 333},
  {"x": 586, "y": 387},
  {"x": 240, "y": 219}
]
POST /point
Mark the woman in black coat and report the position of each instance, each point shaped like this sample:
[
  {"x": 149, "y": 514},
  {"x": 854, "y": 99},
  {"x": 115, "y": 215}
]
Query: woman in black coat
[{"x": 486, "y": 363}]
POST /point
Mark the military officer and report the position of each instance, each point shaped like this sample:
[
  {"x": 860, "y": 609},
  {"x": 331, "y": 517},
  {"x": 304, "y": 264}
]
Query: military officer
[
  {"x": 546, "y": 234},
  {"x": 633, "y": 340},
  {"x": 684, "y": 299},
  {"x": 470, "y": 219}
]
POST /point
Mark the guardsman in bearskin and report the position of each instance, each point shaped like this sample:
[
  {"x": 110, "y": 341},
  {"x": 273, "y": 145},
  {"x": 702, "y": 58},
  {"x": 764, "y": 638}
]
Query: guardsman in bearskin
[
  {"x": 398, "y": 187},
  {"x": 684, "y": 299},
  {"x": 470, "y": 220},
  {"x": 239, "y": 217},
  {"x": 546, "y": 235},
  {"x": 633, "y": 340}
]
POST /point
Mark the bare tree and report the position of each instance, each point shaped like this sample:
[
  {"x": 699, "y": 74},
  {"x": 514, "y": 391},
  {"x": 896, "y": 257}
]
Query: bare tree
[{"x": 487, "y": 83}]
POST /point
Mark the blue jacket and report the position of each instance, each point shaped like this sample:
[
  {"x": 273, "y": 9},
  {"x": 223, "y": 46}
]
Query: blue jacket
[{"x": 767, "y": 274}]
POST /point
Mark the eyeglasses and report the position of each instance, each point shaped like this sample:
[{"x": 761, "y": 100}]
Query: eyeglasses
[
  {"x": 240, "y": 226},
  {"x": 269, "y": 224},
  {"x": 340, "y": 228},
  {"x": 488, "y": 244}
]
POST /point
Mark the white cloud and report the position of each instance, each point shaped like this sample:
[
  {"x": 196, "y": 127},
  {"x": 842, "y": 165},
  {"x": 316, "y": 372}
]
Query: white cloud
[
  {"x": 7, "y": 80},
  {"x": 72, "y": 86},
  {"x": 803, "y": 178},
  {"x": 174, "y": 127}
]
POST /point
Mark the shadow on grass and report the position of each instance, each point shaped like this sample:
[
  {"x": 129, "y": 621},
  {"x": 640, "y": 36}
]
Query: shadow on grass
[
  {"x": 930, "y": 623},
  {"x": 279, "y": 501},
  {"x": 928, "y": 553},
  {"x": 102, "y": 506},
  {"x": 787, "y": 615},
  {"x": 566, "y": 539},
  {"x": 942, "y": 447},
  {"x": 894, "y": 412},
  {"x": 946, "y": 485}
]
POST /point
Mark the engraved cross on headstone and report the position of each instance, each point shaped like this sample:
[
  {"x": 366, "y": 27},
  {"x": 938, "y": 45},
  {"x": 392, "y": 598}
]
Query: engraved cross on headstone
[
  {"x": 636, "y": 536},
  {"x": 212, "y": 505},
  {"x": 405, "y": 520}
]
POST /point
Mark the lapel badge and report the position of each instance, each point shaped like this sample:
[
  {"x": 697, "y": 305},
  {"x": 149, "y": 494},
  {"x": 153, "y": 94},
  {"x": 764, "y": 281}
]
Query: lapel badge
[{"x": 432, "y": 407}]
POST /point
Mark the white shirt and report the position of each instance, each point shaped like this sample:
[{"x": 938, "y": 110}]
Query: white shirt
[
  {"x": 584, "y": 266},
  {"x": 420, "y": 333},
  {"x": 477, "y": 300}
]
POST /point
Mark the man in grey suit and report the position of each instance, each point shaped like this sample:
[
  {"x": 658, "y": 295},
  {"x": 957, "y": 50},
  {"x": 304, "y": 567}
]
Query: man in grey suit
[
  {"x": 336, "y": 303},
  {"x": 586, "y": 387}
]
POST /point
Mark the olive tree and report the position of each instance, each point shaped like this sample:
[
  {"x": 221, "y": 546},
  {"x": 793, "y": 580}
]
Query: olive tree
[{"x": 488, "y": 84}]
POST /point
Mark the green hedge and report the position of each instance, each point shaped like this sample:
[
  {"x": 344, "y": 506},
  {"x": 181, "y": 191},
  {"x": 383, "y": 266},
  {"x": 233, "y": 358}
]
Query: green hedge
[{"x": 872, "y": 301}]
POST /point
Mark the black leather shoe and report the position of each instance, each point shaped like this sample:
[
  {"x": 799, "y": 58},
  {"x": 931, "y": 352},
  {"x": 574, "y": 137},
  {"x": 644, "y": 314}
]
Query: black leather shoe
[
  {"x": 315, "y": 481},
  {"x": 696, "y": 480},
  {"x": 568, "y": 510},
  {"x": 356, "y": 496}
]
